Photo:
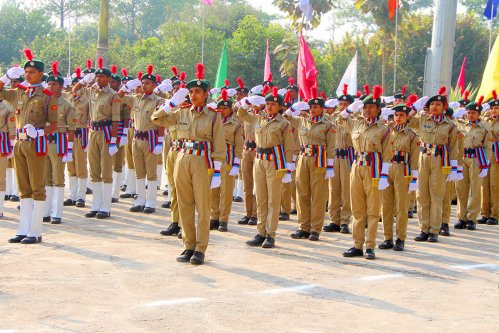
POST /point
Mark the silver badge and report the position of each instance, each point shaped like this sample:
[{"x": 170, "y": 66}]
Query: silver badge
[
  {"x": 32, "y": 63},
  {"x": 199, "y": 83}
]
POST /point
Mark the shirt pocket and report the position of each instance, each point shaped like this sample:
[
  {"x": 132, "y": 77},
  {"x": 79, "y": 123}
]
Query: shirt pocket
[
  {"x": 183, "y": 130},
  {"x": 36, "y": 113},
  {"x": 105, "y": 111}
]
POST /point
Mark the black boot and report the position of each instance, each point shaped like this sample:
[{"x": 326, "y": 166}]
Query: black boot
[
  {"x": 222, "y": 227},
  {"x": 56, "y": 220},
  {"x": 173, "y": 229},
  {"x": 17, "y": 239},
  {"x": 353, "y": 252},
  {"x": 370, "y": 254},
  {"x": 410, "y": 214},
  {"x": 399, "y": 245},
  {"x": 344, "y": 229},
  {"x": 387, "y": 244},
  {"x": 433, "y": 238},
  {"x": 422, "y": 237},
  {"x": 185, "y": 256},
  {"x": 244, "y": 220},
  {"x": 197, "y": 258},
  {"x": 167, "y": 204},
  {"x": 91, "y": 213},
  {"x": 46, "y": 219},
  {"x": 331, "y": 227},
  {"x": 253, "y": 221},
  {"x": 284, "y": 217},
  {"x": 103, "y": 215},
  {"x": 179, "y": 235},
  {"x": 31, "y": 240},
  {"x": 69, "y": 202},
  {"x": 461, "y": 224},
  {"x": 300, "y": 234},
  {"x": 268, "y": 243},
  {"x": 149, "y": 210},
  {"x": 293, "y": 212},
  {"x": 482, "y": 220},
  {"x": 256, "y": 241},
  {"x": 471, "y": 225},
  {"x": 136, "y": 209},
  {"x": 314, "y": 236},
  {"x": 14, "y": 198},
  {"x": 214, "y": 224},
  {"x": 80, "y": 203},
  {"x": 492, "y": 221},
  {"x": 444, "y": 230}
]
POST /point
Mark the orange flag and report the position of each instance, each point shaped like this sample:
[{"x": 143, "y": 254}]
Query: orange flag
[{"x": 392, "y": 7}]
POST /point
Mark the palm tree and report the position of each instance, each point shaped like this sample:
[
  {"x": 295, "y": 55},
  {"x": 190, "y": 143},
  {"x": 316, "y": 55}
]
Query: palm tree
[{"x": 103, "y": 34}]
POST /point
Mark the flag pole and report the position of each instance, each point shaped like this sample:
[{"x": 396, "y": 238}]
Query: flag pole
[
  {"x": 202, "y": 36},
  {"x": 395, "y": 49},
  {"x": 69, "y": 38},
  {"x": 491, "y": 24}
]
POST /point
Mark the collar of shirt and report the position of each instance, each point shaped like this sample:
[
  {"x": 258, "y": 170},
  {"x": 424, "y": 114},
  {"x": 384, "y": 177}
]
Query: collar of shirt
[
  {"x": 400, "y": 128},
  {"x": 226, "y": 119},
  {"x": 473, "y": 123},
  {"x": 271, "y": 117},
  {"x": 438, "y": 119},
  {"x": 316, "y": 120},
  {"x": 371, "y": 121}
]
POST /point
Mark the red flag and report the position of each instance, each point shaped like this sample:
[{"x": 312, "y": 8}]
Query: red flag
[
  {"x": 267, "y": 71},
  {"x": 462, "y": 77},
  {"x": 392, "y": 8},
  {"x": 208, "y": 2},
  {"x": 307, "y": 72}
]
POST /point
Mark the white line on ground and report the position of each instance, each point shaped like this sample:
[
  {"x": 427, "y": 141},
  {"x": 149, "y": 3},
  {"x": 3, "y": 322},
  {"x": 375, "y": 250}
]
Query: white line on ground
[
  {"x": 7, "y": 331},
  {"x": 296, "y": 289},
  {"x": 381, "y": 277},
  {"x": 476, "y": 266},
  {"x": 178, "y": 301}
]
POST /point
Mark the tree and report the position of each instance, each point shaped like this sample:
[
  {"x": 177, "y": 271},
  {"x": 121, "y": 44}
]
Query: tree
[
  {"x": 103, "y": 35},
  {"x": 64, "y": 9},
  {"x": 293, "y": 11}
]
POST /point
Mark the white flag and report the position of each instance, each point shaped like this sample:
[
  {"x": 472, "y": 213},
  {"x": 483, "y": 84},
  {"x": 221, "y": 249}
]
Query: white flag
[{"x": 350, "y": 78}]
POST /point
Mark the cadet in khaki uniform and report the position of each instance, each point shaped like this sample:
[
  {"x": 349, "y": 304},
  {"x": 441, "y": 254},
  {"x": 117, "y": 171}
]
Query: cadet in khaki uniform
[
  {"x": 370, "y": 138},
  {"x": 35, "y": 107},
  {"x": 221, "y": 197},
  {"x": 339, "y": 208},
  {"x": 437, "y": 164},
  {"x": 402, "y": 177},
  {"x": 7, "y": 135},
  {"x": 197, "y": 167},
  {"x": 315, "y": 165},
  {"x": 475, "y": 166},
  {"x": 60, "y": 150},
  {"x": 274, "y": 140},
  {"x": 148, "y": 139},
  {"x": 77, "y": 168},
  {"x": 490, "y": 185},
  {"x": 104, "y": 118}
]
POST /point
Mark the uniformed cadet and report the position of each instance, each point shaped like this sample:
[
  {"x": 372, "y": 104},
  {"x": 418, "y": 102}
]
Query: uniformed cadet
[
  {"x": 339, "y": 208},
  {"x": 104, "y": 118},
  {"x": 315, "y": 165},
  {"x": 475, "y": 166},
  {"x": 437, "y": 164},
  {"x": 35, "y": 107},
  {"x": 370, "y": 138},
  {"x": 402, "y": 176},
  {"x": 12, "y": 190},
  {"x": 490, "y": 184},
  {"x": 7, "y": 135},
  {"x": 198, "y": 164},
  {"x": 77, "y": 168},
  {"x": 148, "y": 139},
  {"x": 221, "y": 197},
  {"x": 274, "y": 140},
  {"x": 59, "y": 150}
]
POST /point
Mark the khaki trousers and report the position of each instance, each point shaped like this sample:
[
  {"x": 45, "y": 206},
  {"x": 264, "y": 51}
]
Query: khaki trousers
[
  {"x": 268, "y": 186},
  {"x": 490, "y": 192},
  {"x": 289, "y": 195},
  {"x": 30, "y": 171},
  {"x": 144, "y": 161},
  {"x": 221, "y": 197},
  {"x": 54, "y": 168},
  {"x": 4, "y": 161},
  {"x": 367, "y": 199},
  {"x": 395, "y": 203},
  {"x": 101, "y": 163},
  {"x": 446, "y": 204},
  {"x": 431, "y": 193},
  {"x": 311, "y": 194},
  {"x": 192, "y": 182},
  {"x": 247, "y": 174},
  {"x": 119, "y": 159},
  {"x": 468, "y": 204},
  {"x": 339, "y": 207},
  {"x": 128, "y": 149},
  {"x": 78, "y": 166},
  {"x": 170, "y": 167}
]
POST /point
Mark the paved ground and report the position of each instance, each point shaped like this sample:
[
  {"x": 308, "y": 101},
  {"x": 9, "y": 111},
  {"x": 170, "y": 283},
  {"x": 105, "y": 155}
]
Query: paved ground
[{"x": 120, "y": 275}]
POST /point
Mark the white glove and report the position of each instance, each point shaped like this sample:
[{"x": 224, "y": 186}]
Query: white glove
[
  {"x": 234, "y": 171},
  {"x": 212, "y": 106},
  {"x": 45, "y": 85},
  {"x": 413, "y": 185},
  {"x": 453, "y": 176},
  {"x": 124, "y": 137},
  {"x": 244, "y": 103},
  {"x": 329, "y": 169},
  {"x": 215, "y": 91},
  {"x": 12, "y": 73},
  {"x": 454, "y": 105},
  {"x": 287, "y": 178},
  {"x": 300, "y": 106},
  {"x": 331, "y": 103},
  {"x": 231, "y": 92},
  {"x": 131, "y": 85},
  {"x": 216, "y": 181},
  {"x": 256, "y": 89},
  {"x": 420, "y": 103},
  {"x": 291, "y": 113},
  {"x": 483, "y": 173},
  {"x": 256, "y": 100},
  {"x": 459, "y": 113},
  {"x": 12, "y": 152},
  {"x": 355, "y": 106},
  {"x": 87, "y": 79},
  {"x": 388, "y": 99},
  {"x": 67, "y": 82},
  {"x": 167, "y": 82},
  {"x": 158, "y": 149},
  {"x": 31, "y": 131},
  {"x": 112, "y": 147},
  {"x": 282, "y": 91},
  {"x": 69, "y": 155},
  {"x": 163, "y": 87},
  {"x": 86, "y": 149},
  {"x": 291, "y": 166},
  {"x": 383, "y": 179},
  {"x": 485, "y": 107},
  {"x": 345, "y": 114},
  {"x": 179, "y": 96},
  {"x": 386, "y": 112}
]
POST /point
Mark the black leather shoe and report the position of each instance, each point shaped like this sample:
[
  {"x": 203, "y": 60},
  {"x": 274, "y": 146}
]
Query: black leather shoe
[
  {"x": 293, "y": 212},
  {"x": 331, "y": 227},
  {"x": 253, "y": 221},
  {"x": 238, "y": 199},
  {"x": 17, "y": 239},
  {"x": 115, "y": 200},
  {"x": 91, "y": 213},
  {"x": 179, "y": 235},
  {"x": 353, "y": 252},
  {"x": 492, "y": 221},
  {"x": 284, "y": 217},
  {"x": 165, "y": 192},
  {"x": 256, "y": 241},
  {"x": 482, "y": 220},
  {"x": 80, "y": 203},
  {"x": 123, "y": 188},
  {"x": 244, "y": 220},
  {"x": 31, "y": 240},
  {"x": 46, "y": 219},
  {"x": 344, "y": 229},
  {"x": 410, "y": 214},
  {"x": 69, "y": 202},
  {"x": 197, "y": 258},
  {"x": 422, "y": 237},
  {"x": 56, "y": 220},
  {"x": 7, "y": 197},
  {"x": 461, "y": 224},
  {"x": 89, "y": 191},
  {"x": 453, "y": 202},
  {"x": 214, "y": 224},
  {"x": 415, "y": 209},
  {"x": 314, "y": 236},
  {"x": 399, "y": 245},
  {"x": 167, "y": 204},
  {"x": 149, "y": 210},
  {"x": 268, "y": 243},
  {"x": 126, "y": 196},
  {"x": 103, "y": 215},
  {"x": 444, "y": 230},
  {"x": 14, "y": 198},
  {"x": 471, "y": 225},
  {"x": 222, "y": 227},
  {"x": 185, "y": 256},
  {"x": 136, "y": 209},
  {"x": 433, "y": 238},
  {"x": 387, "y": 244},
  {"x": 370, "y": 254},
  {"x": 173, "y": 229},
  {"x": 300, "y": 234}
]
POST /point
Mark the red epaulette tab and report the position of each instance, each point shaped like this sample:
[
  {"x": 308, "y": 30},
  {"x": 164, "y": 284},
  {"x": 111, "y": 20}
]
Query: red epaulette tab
[
  {"x": 47, "y": 92},
  {"x": 22, "y": 87}
]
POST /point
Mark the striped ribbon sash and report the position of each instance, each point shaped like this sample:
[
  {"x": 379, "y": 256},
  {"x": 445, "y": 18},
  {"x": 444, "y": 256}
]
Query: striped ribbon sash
[
  {"x": 176, "y": 145},
  {"x": 437, "y": 150},
  {"x": 199, "y": 148},
  {"x": 478, "y": 153},
  {"x": 5, "y": 148},
  {"x": 82, "y": 134},
  {"x": 151, "y": 136},
  {"x": 317, "y": 151},
  {"x": 371, "y": 159},
  {"x": 61, "y": 142},
  {"x": 495, "y": 150},
  {"x": 250, "y": 146},
  {"x": 346, "y": 153},
  {"x": 230, "y": 155},
  {"x": 275, "y": 154},
  {"x": 103, "y": 126},
  {"x": 402, "y": 157},
  {"x": 40, "y": 141}
]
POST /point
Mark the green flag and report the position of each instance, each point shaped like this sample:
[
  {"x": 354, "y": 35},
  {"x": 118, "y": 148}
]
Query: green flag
[{"x": 222, "y": 68}]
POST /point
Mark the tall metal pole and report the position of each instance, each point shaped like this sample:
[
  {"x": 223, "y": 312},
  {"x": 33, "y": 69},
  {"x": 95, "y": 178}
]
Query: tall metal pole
[
  {"x": 395, "y": 50},
  {"x": 202, "y": 34},
  {"x": 438, "y": 71},
  {"x": 69, "y": 38}
]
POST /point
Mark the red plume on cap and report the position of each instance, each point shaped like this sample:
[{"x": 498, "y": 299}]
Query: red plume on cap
[
  {"x": 78, "y": 72},
  {"x": 174, "y": 70},
  {"x": 466, "y": 94},
  {"x": 377, "y": 92},
  {"x": 275, "y": 91},
  {"x": 100, "y": 62},
  {"x": 314, "y": 92},
  {"x": 345, "y": 89},
  {"x": 200, "y": 71},
  {"x": 139, "y": 75},
  {"x": 150, "y": 68},
  {"x": 182, "y": 76},
  {"x": 480, "y": 101},
  {"x": 442, "y": 90},
  {"x": 224, "y": 94},
  {"x": 114, "y": 69},
  {"x": 240, "y": 82},
  {"x": 269, "y": 78},
  {"x": 291, "y": 81},
  {"x": 494, "y": 94},
  {"x": 158, "y": 78},
  {"x": 226, "y": 83},
  {"x": 323, "y": 95},
  {"x": 358, "y": 94},
  {"x": 265, "y": 90},
  {"x": 55, "y": 68},
  {"x": 411, "y": 100},
  {"x": 89, "y": 63},
  {"x": 182, "y": 85},
  {"x": 287, "y": 97},
  {"x": 366, "y": 90},
  {"x": 404, "y": 90},
  {"x": 28, "y": 54},
  {"x": 124, "y": 72}
]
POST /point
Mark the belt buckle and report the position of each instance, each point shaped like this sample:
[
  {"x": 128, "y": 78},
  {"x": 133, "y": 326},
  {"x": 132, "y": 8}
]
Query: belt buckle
[
  {"x": 309, "y": 150},
  {"x": 430, "y": 151},
  {"x": 23, "y": 136},
  {"x": 188, "y": 144}
]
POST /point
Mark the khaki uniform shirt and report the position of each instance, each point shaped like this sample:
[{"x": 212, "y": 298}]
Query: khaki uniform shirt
[
  {"x": 66, "y": 120},
  {"x": 406, "y": 141},
  {"x": 142, "y": 108},
  {"x": 492, "y": 136},
  {"x": 105, "y": 104},
  {"x": 7, "y": 118},
  {"x": 233, "y": 132},
  {"x": 81, "y": 105}
]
